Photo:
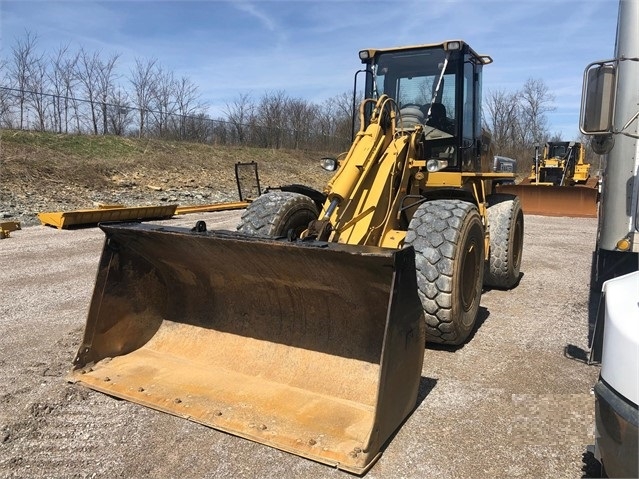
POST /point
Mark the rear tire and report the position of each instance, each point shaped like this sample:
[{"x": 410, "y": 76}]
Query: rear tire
[
  {"x": 506, "y": 222},
  {"x": 448, "y": 237},
  {"x": 276, "y": 213}
]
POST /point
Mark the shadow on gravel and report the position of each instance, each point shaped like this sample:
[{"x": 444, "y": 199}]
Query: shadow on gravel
[
  {"x": 491, "y": 288},
  {"x": 575, "y": 352},
  {"x": 590, "y": 466},
  {"x": 426, "y": 385},
  {"x": 482, "y": 316}
]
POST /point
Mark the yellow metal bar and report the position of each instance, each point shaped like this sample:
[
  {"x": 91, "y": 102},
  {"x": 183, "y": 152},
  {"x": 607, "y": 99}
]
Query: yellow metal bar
[
  {"x": 238, "y": 205},
  {"x": 65, "y": 219},
  {"x": 106, "y": 206}
]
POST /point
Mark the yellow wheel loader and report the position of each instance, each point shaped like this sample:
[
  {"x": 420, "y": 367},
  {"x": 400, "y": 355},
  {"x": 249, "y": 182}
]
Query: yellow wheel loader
[
  {"x": 305, "y": 329},
  {"x": 560, "y": 183}
]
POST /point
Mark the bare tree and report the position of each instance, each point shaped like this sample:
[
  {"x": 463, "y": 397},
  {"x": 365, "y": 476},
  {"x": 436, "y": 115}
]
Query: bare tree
[
  {"x": 301, "y": 117},
  {"x": 106, "y": 78},
  {"x": 6, "y": 96},
  {"x": 87, "y": 73},
  {"x": 187, "y": 102},
  {"x": 536, "y": 100},
  {"x": 517, "y": 120},
  {"x": 67, "y": 66},
  {"x": 23, "y": 56},
  {"x": 36, "y": 86},
  {"x": 502, "y": 110},
  {"x": 61, "y": 81},
  {"x": 199, "y": 128},
  {"x": 238, "y": 114},
  {"x": 119, "y": 112},
  {"x": 220, "y": 132},
  {"x": 270, "y": 118},
  {"x": 143, "y": 79},
  {"x": 57, "y": 85},
  {"x": 346, "y": 118},
  {"x": 325, "y": 121},
  {"x": 163, "y": 99}
]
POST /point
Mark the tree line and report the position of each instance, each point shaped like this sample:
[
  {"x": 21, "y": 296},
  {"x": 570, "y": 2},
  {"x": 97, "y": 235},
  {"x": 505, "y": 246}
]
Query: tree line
[
  {"x": 517, "y": 121},
  {"x": 86, "y": 92}
]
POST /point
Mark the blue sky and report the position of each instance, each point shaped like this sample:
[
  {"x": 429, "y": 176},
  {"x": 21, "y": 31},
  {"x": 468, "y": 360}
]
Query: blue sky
[{"x": 309, "y": 48}]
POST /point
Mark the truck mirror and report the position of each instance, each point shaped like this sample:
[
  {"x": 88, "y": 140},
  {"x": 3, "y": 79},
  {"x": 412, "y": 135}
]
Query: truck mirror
[{"x": 598, "y": 98}]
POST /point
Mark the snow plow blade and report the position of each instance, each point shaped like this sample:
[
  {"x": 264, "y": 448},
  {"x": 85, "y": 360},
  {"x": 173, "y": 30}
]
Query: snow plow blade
[
  {"x": 311, "y": 348},
  {"x": 571, "y": 201}
]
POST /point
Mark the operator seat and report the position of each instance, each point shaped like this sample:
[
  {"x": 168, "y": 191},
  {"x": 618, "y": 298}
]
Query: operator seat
[{"x": 411, "y": 116}]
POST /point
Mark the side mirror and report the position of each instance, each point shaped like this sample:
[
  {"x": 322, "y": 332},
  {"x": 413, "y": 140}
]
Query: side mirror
[{"x": 598, "y": 98}]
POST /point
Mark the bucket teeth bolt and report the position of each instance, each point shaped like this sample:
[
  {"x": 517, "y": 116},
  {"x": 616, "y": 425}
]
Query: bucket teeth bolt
[
  {"x": 312, "y": 442},
  {"x": 356, "y": 452},
  {"x": 177, "y": 400}
]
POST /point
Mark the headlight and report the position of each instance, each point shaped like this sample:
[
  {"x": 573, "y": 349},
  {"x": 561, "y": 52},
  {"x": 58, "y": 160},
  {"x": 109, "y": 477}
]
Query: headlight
[
  {"x": 329, "y": 164},
  {"x": 435, "y": 165},
  {"x": 452, "y": 46}
]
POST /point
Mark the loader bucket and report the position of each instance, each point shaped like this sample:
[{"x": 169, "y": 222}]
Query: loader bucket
[
  {"x": 573, "y": 201},
  {"x": 313, "y": 349}
]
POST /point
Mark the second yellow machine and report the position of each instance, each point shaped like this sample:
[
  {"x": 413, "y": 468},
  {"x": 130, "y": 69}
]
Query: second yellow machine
[
  {"x": 560, "y": 182},
  {"x": 562, "y": 163},
  {"x": 305, "y": 329}
]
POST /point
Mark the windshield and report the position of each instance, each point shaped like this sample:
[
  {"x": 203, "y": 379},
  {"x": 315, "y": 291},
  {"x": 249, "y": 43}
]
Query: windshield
[
  {"x": 414, "y": 78},
  {"x": 558, "y": 151}
]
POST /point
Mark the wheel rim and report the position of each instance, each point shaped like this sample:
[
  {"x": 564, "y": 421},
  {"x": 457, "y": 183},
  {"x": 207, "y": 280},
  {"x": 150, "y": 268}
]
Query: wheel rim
[
  {"x": 298, "y": 222},
  {"x": 470, "y": 270},
  {"x": 518, "y": 239}
]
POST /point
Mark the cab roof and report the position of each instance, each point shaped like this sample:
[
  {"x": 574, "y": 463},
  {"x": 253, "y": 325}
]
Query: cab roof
[{"x": 451, "y": 45}]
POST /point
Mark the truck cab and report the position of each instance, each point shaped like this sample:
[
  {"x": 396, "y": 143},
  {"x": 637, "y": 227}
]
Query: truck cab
[
  {"x": 617, "y": 391},
  {"x": 609, "y": 115}
]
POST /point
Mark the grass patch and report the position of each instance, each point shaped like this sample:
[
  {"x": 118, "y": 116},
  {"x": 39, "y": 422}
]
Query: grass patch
[{"x": 33, "y": 160}]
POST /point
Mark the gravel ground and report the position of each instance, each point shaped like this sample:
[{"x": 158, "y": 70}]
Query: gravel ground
[{"x": 507, "y": 404}]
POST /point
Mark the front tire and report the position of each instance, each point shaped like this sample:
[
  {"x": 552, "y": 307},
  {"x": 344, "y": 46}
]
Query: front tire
[
  {"x": 276, "y": 213},
  {"x": 448, "y": 237},
  {"x": 506, "y": 223}
]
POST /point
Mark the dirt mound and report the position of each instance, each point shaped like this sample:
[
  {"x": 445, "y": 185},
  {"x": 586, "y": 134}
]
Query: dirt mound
[{"x": 48, "y": 172}]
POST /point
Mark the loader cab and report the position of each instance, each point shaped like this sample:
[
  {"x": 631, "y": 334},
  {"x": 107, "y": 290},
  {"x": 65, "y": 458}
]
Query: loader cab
[
  {"x": 439, "y": 87},
  {"x": 557, "y": 149}
]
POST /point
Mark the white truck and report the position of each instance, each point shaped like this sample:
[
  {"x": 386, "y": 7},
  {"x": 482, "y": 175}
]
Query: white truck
[{"x": 610, "y": 113}]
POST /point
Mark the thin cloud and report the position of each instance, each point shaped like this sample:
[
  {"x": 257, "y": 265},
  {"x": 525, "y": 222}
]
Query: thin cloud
[
  {"x": 267, "y": 21},
  {"x": 252, "y": 10}
]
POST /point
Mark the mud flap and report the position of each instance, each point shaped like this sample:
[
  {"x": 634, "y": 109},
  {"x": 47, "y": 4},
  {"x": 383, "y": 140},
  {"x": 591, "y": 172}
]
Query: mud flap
[
  {"x": 571, "y": 201},
  {"x": 313, "y": 349}
]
